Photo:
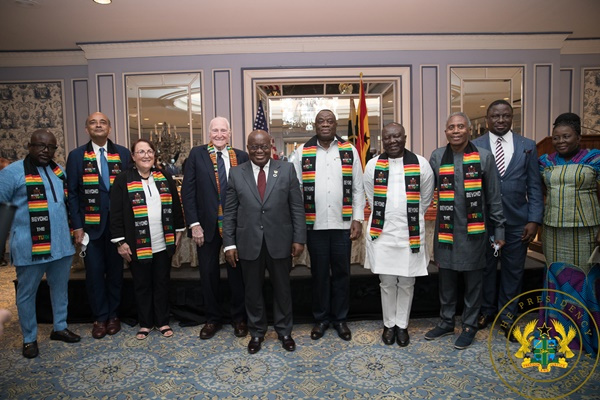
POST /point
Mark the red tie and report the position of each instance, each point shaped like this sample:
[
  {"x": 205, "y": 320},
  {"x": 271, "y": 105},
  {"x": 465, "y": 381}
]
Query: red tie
[{"x": 262, "y": 183}]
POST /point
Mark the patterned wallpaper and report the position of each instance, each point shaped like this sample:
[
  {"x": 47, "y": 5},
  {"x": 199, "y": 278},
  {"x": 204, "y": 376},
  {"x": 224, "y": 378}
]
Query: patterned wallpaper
[
  {"x": 591, "y": 100},
  {"x": 25, "y": 107}
]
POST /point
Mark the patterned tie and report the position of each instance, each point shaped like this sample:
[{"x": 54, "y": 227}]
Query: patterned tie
[
  {"x": 105, "y": 171},
  {"x": 499, "y": 156},
  {"x": 222, "y": 177},
  {"x": 261, "y": 183}
]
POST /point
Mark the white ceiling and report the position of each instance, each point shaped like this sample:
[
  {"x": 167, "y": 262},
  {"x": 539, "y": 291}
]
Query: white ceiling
[{"x": 61, "y": 24}]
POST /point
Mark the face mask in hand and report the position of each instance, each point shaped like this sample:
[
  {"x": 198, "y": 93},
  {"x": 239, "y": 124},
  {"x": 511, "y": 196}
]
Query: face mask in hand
[{"x": 84, "y": 243}]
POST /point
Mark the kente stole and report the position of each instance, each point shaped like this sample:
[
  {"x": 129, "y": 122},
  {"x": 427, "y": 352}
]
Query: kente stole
[
  {"x": 412, "y": 182},
  {"x": 309, "y": 170},
  {"x": 91, "y": 181},
  {"x": 473, "y": 195},
  {"x": 37, "y": 202},
  {"x": 212, "y": 152},
  {"x": 135, "y": 189}
]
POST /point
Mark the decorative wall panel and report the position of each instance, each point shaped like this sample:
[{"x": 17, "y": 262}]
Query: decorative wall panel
[
  {"x": 591, "y": 100},
  {"x": 25, "y": 107}
]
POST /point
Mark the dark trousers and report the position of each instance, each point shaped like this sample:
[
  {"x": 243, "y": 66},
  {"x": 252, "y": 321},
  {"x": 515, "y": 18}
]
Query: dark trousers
[
  {"x": 210, "y": 277},
  {"x": 512, "y": 266},
  {"x": 330, "y": 269},
  {"x": 151, "y": 289},
  {"x": 448, "y": 281},
  {"x": 254, "y": 277},
  {"x": 103, "y": 277}
]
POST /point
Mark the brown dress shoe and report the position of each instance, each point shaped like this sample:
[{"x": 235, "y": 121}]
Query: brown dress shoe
[
  {"x": 240, "y": 329},
  {"x": 389, "y": 335},
  {"x": 343, "y": 331},
  {"x": 318, "y": 330},
  {"x": 99, "y": 329},
  {"x": 209, "y": 330},
  {"x": 113, "y": 326},
  {"x": 254, "y": 344},
  {"x": 287, "y": 342}
]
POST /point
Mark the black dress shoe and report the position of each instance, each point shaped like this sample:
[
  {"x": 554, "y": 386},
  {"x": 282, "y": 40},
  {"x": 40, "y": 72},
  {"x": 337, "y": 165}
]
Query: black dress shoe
[
  {"x": 343, "y": 331},
  {"x": 318, "y": 330},
  {"x": 209, "y": 329},
  {"x": 30, "y": 350},
  {"x": 402, "y": 337},
  {"x": 388, "y": 335},
  {"x": 287, "y": 343},
  {"x": 240, "y": 329},
  {"x": 484, "y": 320},
  {"x": 254, "y": 344},
  {"x": 65, "y": 336},
  {"x": 508, "y": 333}
]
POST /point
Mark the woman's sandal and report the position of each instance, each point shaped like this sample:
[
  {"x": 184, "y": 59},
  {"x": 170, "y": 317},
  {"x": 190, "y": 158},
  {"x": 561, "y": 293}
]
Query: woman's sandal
[
  {"x": 141, "y": 335},
  {"x": 166, "y": 331}
]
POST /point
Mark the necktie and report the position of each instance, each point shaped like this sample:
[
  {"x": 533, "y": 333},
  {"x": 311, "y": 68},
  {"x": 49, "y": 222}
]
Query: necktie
[
  {"x": 105, "y": 171},
  {"x": 499, "y": 156},
  {"x": 261, "y": 183},
  {"x": 222, "y": 176}
]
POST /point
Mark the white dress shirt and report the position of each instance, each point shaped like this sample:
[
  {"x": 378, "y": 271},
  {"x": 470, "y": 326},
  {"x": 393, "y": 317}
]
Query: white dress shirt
[
  {"x": 507, "y": 145},
  {"x": 98, "y": 155}
]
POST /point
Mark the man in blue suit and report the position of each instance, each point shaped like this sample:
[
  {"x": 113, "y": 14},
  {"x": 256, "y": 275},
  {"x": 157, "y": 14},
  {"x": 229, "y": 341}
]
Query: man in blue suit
[
  {"x": 523, "y": 208},
  {"x": 203, "y": 195},
  {"x": 91, "y": 169}
]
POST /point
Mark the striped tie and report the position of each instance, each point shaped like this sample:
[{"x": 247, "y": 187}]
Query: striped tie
[{"x": 499, "y": 155}]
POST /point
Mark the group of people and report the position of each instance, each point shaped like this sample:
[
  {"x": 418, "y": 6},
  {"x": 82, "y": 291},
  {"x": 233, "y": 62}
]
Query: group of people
[{"x": 262, "y": 212}]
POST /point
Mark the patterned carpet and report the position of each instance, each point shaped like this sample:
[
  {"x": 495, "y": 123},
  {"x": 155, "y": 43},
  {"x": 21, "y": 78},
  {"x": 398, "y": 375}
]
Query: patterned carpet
[{"x": 184, "y": 367}]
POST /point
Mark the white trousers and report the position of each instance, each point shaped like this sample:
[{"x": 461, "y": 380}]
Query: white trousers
[{"x": 396, "y": 299}]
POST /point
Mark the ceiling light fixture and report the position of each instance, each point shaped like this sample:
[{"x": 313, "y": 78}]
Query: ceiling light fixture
[{"x": 103, "y": 2}]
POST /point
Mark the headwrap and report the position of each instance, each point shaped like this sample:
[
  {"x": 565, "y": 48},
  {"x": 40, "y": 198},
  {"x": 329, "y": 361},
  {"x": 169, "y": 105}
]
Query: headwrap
[
  {"x": 309, "y": 172},
  {"x": 39, "y": 217},
  {"x": 473, "y": 195},
  {"x": 91, "y": 185},
  {"x": 135, "y": 189},
  {"x": 212, "y": 152},
  {"x": 412, "y": 182}
]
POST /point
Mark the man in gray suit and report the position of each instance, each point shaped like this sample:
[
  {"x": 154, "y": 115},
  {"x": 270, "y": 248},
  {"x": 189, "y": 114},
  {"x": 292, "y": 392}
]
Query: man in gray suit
[
  {"x": 523, "y": 208},
  {"x": 263, "y": 228}
]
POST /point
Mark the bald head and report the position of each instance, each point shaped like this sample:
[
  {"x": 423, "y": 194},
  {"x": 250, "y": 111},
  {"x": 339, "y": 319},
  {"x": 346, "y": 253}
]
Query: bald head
[{"x": 259, "y": 147}]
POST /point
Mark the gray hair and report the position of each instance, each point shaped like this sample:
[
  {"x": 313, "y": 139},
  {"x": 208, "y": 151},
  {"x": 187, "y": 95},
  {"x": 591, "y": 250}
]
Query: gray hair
[
  {"x": 217, "y": 119},
  {"x": 460, "y": 114}
]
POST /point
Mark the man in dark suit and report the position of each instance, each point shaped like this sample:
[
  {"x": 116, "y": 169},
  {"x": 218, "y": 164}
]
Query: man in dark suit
[
  {"x": 91, "y": 169},
  {"x": 264, "y": 228},
  {"x": 203, "y": 195},
  {"x": 523, "y": 207}
]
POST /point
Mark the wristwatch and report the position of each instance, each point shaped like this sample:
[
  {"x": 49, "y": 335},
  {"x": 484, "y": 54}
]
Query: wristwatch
[{"x": 120, "y": 243}]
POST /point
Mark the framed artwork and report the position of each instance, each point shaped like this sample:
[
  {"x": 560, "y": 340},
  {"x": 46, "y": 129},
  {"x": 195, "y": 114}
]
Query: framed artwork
[
  {"x": 26, "y": 107},
  {"x": 591, "y": 101}
]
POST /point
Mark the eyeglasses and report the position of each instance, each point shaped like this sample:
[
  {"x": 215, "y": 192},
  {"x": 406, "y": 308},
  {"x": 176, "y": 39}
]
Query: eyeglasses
[
  {"x": 44, "y": 146},
  {"x": 255, "y": 147},
  {"x": 143, "y": 153}
]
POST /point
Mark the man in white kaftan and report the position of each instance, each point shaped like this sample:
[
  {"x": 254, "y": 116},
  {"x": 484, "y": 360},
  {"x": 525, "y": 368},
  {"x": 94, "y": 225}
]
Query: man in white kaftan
[{"x": 389, "y": 250}]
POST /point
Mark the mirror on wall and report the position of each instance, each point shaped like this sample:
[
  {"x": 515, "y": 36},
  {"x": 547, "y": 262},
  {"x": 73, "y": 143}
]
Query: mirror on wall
[
  {"x": 291, "y": 109},
  {"x": 472, "y": 89},
  {"x": 166, "y": 109}
]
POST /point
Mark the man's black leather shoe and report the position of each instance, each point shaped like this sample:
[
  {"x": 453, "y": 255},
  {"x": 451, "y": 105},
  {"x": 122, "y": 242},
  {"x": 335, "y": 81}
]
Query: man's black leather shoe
[
  {"x": 402, "y": 337},
  {"x": 389, "y": 335},
  {"x": 254, "y": 344},
  {"x": 30, "y": 350},
  {"x": 65, "y": 336},
  {"x": 318, "y": 330},
  {"x": 343, "y": 331},
  {"x": 287, "y": 342},
  {"x": 508, "y": 333}
]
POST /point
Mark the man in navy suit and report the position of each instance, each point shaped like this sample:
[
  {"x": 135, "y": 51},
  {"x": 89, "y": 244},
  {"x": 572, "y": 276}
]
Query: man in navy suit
[
  {"x": 203, "y": 195},
  {"x": 264, "y": 228},
  {"x": 523, "y": 207},
  {"x": 91, "y": 169}
]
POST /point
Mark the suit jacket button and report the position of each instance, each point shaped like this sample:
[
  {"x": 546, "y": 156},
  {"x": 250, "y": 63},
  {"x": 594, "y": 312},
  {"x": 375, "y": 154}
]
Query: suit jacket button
[{"x": 261, "y": 227}]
